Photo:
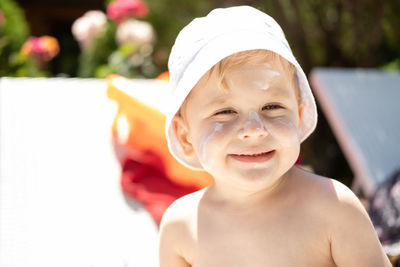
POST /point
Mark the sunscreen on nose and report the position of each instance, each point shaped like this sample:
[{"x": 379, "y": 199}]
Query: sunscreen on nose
[
  {"x": 254, "y": 119},
  {"x": 253, "y": 125}
]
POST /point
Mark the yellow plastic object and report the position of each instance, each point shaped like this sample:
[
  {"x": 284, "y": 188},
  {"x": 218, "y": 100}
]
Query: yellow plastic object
[{"x": 146, "y": 133}]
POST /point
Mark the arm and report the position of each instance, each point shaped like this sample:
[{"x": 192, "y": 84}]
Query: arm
[
  {"x": 171, "y": 231},
  {"x": 354, "y": 241}
]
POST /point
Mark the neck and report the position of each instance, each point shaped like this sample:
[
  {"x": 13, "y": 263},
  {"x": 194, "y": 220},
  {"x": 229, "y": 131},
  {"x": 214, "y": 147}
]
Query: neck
[{"x": 239, "y": 196}]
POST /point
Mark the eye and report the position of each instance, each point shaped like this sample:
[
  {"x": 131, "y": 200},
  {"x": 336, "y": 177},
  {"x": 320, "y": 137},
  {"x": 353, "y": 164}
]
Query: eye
[
  {"x": 272, "y": 107},
  {"x": 225, "y": 111}
]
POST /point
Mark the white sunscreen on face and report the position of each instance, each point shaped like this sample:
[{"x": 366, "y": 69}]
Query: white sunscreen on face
[
  {"x": 204, "y": 157},
  {"x": 254, "y": 119},
  {"x": 255, "y": 76},
  {"x": 288, "y": 125},
  {"x": 268, "y": 77}
]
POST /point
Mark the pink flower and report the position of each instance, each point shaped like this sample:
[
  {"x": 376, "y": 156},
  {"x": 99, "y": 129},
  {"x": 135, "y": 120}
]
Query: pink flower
[
  {"x": 86, "y": 28},
  {"x": 42, "y": 49},
  {"x": 2, "y": 19},
  {"x": 135, "y": 31},
  {"x": 121, "y": 10}
]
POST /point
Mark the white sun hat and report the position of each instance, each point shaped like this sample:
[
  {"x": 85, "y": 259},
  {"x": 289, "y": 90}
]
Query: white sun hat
[{"x": 207, "y": 40}]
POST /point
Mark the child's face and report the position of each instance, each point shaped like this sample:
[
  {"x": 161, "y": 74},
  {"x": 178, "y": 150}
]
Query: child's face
[{"x": 247, "y": 135}]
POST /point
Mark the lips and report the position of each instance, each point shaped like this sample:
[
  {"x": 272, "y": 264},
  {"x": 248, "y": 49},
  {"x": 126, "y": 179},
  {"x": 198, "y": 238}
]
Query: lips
[{"x": 255, "y": 158}]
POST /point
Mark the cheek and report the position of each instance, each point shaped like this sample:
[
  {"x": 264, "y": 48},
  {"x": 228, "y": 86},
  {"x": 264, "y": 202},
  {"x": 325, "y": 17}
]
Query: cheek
[
  {"x": 210, "y": 142},
  {"x": 285, "y": 132}
]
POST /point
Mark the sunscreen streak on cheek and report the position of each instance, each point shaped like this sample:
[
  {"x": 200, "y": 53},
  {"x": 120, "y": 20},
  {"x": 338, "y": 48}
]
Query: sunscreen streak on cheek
[
  {"x": 204, "y": 145},
  {"x": 287, "y": 130}
]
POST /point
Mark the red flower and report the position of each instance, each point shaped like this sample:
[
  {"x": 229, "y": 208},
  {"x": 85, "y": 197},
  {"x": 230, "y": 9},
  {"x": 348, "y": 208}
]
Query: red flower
[{"x": 121, "y": 10}]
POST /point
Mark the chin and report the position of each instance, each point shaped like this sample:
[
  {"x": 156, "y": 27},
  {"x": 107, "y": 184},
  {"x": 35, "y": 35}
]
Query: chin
[{"x": 257, "y": 178}]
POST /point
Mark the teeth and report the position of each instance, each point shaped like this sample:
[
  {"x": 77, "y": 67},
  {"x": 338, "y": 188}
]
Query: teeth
[{"x": 255, "y": 155}]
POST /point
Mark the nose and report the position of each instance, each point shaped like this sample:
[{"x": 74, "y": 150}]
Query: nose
[{"x": 253, "y": 126}]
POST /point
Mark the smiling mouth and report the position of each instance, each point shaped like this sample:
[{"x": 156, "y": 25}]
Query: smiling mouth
[{"x": 260, "y": 157}]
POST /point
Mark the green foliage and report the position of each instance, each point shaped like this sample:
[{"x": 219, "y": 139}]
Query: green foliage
[
  {"x": 97, "y": 54},
  {"x": 105, "y": 57},
  {"x": 15, "y": 27},
  {"x": 129, "y": 60},
  {"x": 358, "y": 33},
  {"x": 393, "y": 65},
  {"x": 13, "y": 34},
  {"x": 20, "y": 66}
]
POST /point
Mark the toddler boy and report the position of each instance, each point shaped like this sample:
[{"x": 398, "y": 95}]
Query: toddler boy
[{"x": 241, "y": 106}]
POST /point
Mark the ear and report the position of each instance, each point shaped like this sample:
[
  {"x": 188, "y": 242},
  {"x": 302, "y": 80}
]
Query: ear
[
  {"x": 181, "y": 131},
  {"x": 301, "y": 111}
]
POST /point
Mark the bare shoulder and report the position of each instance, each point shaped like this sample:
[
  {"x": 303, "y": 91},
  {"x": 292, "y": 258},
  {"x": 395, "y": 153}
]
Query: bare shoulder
[
  {"x": 333, "y": 199},
  {"x": 353, "y": 239},
  {"x": 327, "y": 192},
  {"x": 182, "y": 210},
  {"x": 177, "y": 230},
  {"x": 329, "y": 198}
]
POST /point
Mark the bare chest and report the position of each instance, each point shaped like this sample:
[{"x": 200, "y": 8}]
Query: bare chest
[{"x": 283, "y": 240}]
